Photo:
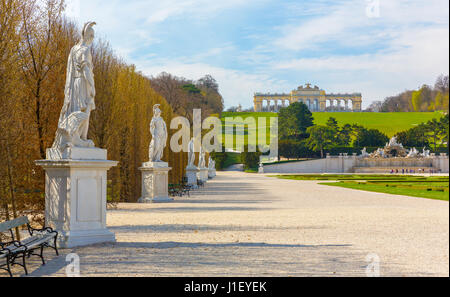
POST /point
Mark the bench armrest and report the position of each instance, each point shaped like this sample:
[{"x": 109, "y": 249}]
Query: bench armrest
[
  {"x": 5, "y": 251},
  {"x": 15, "y": 243},
  {"x": 47, "y": 230}
]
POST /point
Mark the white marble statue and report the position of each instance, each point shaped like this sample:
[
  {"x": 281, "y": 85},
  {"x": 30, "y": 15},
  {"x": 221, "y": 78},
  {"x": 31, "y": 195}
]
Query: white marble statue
[
  {"x": 425, "y": 153},
  {"x": 261, "y": 168},
  {"x": 79, "y": 96},
  {"x": 191, "y": 154},
  {"x": 393, "y": 141},
  {"x": 413, "y": 153},
  {"x": 364, "y": 153},
  {"x": 202, "y": 160},
  {"x": 158, "y": 129},
  {"x": 379, "y": 153}
]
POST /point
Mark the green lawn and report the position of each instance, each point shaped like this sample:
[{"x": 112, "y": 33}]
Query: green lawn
[
  {"x": 388, "y": 123},
  {"x": 415, "y": 186}
]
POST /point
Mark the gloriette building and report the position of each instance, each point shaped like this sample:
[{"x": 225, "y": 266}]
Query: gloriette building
[{"x": 315, "y": 98}]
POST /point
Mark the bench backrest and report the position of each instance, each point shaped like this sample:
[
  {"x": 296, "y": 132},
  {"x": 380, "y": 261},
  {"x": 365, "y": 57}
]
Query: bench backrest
[{"x": 8, "y": 225}]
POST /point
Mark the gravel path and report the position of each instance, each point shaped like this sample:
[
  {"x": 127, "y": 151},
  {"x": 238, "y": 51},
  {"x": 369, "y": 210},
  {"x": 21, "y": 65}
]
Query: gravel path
[{"x": 252, "y": 225}]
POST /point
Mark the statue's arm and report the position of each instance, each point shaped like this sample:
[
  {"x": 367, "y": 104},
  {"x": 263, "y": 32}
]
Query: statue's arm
[{"x": 152, "y": 128}]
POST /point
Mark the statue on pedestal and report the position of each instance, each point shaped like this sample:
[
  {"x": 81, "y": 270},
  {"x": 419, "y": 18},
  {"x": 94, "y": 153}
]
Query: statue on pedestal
[
  {"x": 202, "y": 159},
  {"x": 155, "y": 174},
  {"x": 158, "y": 129},
  {"x": 79, "y": 97},
  {"x": 261, "y": 168},
  {"x": 76, "y": 171}
]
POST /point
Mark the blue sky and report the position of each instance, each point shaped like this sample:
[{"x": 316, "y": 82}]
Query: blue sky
[{"x": 376, "y": 47}]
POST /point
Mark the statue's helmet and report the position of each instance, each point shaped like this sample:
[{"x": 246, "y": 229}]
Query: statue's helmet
[
  {"x": 156, "y": 108},
  {"x": 87, "y": 28}
]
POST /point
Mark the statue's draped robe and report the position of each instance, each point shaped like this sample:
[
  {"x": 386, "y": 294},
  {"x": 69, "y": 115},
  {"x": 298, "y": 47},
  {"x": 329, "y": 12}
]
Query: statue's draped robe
[
  {"x": 77, "y": 100},
  {"x": 191, "y": 154},
  {"x": 158, "y": 130}
]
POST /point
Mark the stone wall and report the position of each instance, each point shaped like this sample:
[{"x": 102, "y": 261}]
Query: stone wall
[{"x": 352, "y": 164}]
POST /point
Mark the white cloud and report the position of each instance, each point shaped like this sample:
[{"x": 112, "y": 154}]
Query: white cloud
[{"x": 346, "y": 23}]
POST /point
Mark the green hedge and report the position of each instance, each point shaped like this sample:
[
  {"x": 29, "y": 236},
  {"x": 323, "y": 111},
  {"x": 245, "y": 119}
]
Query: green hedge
[
  {"x": 250, "y": 160},
  {"x": 225, "y": 160}
]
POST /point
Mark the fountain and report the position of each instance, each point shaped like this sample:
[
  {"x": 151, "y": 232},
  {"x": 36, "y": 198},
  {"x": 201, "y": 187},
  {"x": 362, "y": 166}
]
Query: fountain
[{"x": 395, "y": 156}]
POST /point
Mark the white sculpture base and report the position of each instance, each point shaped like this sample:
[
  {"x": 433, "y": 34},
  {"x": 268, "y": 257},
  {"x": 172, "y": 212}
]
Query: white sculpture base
[
  {"x": 75, "y": 197},
  {"x": 155, "y": 182},
  {"x": 77, "y": 153},
  {"x": 261, "y": 169},
  {"x": 191, "y": 175},
  {"x": 210, "y": 173},
  {"x": 202, "y": 175}
]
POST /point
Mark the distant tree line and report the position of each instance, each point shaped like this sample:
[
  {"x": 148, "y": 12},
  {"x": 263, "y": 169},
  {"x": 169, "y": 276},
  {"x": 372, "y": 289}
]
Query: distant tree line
[
  {"x": 427, "y": 98},
  {"x": 432, "y": 134},
  {"x": 184, "y": 95}
]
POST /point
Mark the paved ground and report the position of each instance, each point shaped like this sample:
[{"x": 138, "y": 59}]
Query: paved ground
[{"x": 252, "y": 225}]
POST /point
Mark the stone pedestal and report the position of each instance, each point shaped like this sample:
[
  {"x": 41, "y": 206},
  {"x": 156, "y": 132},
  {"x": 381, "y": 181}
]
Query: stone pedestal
[
  {"x": 191, "y": 175},
  {"x": 155, "y": 182},
  {"x": 202, "y": 174},
  {"x": 211, "y": 173},
  {"x": 75, "y": 196}
]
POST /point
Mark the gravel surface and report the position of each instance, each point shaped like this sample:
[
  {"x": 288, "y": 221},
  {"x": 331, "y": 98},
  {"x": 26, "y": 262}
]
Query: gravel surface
[{"x": 253, "y": 225}]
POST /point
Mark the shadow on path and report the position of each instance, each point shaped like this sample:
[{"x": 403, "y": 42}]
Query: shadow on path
[{"x": 210, "y": 259}]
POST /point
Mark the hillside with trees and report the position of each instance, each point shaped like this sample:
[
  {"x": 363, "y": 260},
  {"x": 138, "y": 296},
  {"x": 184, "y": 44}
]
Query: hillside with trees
[
  {"x": 427, "y": 98},
  {"x": 184, "y": 95}
]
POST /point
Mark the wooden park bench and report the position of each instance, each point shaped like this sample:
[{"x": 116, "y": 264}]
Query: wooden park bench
[{"x": 14, "y": 250}]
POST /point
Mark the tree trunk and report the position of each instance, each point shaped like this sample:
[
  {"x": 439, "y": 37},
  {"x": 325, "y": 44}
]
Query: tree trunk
[
  {"x": 38, "y": 121},
  {"x": 11, "y": 187}
]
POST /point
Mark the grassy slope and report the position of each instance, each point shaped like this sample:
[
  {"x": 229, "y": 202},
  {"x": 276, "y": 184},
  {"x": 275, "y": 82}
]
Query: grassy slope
[{"x": 389, "y": 123}]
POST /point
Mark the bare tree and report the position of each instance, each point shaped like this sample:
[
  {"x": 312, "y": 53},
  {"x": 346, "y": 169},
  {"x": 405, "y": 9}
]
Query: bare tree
[{"x": 441, "y": 84}]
